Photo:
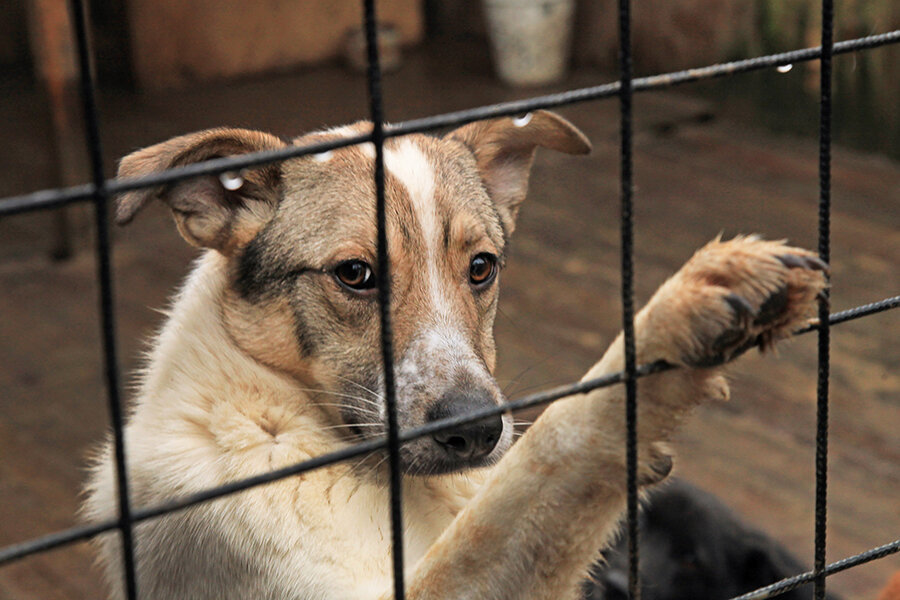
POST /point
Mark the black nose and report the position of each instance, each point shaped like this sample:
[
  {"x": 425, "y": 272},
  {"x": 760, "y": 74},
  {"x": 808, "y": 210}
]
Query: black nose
[{"x": 473, "y": 440}]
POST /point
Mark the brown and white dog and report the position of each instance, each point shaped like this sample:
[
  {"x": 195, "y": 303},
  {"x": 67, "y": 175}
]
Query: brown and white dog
[{"x": 270, "y": 356}]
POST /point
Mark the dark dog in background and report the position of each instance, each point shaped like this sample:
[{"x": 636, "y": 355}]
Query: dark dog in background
[{"x": 693, "y": 547}]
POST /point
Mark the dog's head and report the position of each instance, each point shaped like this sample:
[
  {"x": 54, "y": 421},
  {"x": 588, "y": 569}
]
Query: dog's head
[{"x": 300, "y": 242}]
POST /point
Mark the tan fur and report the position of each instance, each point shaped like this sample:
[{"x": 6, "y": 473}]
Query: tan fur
[{"x": 266, "y": 361}]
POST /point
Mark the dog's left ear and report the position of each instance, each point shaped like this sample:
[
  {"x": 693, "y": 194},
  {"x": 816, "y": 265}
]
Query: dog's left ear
[
  {"x": 504, "y": 150},
  {"x": 210, "y": 212}
]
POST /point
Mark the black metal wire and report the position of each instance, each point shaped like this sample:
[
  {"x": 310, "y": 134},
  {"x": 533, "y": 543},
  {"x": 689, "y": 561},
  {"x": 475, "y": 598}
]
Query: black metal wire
[
  {"x": 384, "y": 297},
  {"x": 854, "y": 313},
  {"x": 107, "y": 311},
  {"x": 44, "y": 199},
  {"x": 786, "y": 585},
  {"x": 626, "y": 224},
  {"x": 824, "y": 360}
]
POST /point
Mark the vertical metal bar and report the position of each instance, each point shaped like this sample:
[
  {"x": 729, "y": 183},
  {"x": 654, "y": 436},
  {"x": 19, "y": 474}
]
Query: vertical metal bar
[
  {"x": 104, "y": 276},
  {"x": 384, "y": 296},
  {"x": 627, "y": 238},
  {"x": 821, "y": 518}
]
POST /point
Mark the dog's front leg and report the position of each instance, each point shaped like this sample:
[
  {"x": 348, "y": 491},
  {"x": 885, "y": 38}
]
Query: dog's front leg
[{"x": 556, "y": 498}]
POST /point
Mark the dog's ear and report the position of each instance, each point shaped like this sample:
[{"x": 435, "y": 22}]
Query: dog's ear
[
  {"x": 207, "y": 214},
  {"x": 504, "y": 150}
]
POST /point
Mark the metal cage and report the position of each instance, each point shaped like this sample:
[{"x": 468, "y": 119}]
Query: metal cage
[{"x": 100, "y": 191}]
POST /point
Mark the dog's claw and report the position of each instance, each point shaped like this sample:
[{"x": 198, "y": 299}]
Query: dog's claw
[
  {"x": 817, "y": 264},
  {"x": 795, "y": 261},
  {"x": 791, "y": 261}
]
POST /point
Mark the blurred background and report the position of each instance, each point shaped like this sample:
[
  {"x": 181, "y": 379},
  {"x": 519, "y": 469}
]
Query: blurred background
[{"x": 737, "y": 155}]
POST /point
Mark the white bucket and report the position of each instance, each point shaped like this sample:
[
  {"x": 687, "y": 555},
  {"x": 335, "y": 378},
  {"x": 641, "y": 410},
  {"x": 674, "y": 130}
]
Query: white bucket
[{"x": 530, "y": 39}]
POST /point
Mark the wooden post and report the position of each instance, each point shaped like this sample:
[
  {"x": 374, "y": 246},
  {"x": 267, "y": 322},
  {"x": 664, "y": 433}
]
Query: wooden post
[{"x": 55, "y": 65}]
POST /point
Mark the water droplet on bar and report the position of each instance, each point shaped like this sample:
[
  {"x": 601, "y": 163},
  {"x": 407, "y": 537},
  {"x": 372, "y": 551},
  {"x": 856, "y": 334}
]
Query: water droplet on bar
[
  {"x": 523, "y": 120},
  {"x": 784, "y": 68},
  {"x": 231, "y": 181}
]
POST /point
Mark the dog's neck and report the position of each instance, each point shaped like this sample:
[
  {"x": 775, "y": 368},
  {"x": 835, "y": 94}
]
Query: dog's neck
[{"x": 194, "y": 348}]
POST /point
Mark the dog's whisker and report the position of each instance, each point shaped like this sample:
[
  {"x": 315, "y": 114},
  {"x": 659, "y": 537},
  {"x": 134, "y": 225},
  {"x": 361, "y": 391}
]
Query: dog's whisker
[
  {"x": 375, "y": 400},
  {"x": 363, "y": 475},
  {"x": 364, "y": 408},
  {"x": 374, "y": 467},
  {"x": 339, "y": 394},
  {"x": 414, "y": 465},
  {"x": 359, "y": 385},
  {"x": 362, "y": 399},
  {"x": 355, "y": 410},
  {"x": 347, "y": 405},
  {"x": 507, "y": 389},
  {"x": 369, "y": 402},
  {"x": 352, "y": 469},
  {"x": 348, "y": 426},
  {"x": 543, "y": 384}
]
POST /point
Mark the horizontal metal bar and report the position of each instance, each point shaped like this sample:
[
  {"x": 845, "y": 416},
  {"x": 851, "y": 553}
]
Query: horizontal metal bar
[
  {"x": 786, "y": 585},
  {"x": 54, "y": 540},
  {"x": 45, "y": 199},
  {"x": 18, "y": 551},
  {"x": 638, "y": 84},
  {"x": 858, "y": 311}
]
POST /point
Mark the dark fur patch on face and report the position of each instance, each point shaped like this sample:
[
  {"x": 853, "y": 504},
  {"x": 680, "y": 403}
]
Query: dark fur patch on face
[
  {"x": 305, "y": 340},
  {"x": 249, "y": 279},
  {"x": 258, "y": 277}
]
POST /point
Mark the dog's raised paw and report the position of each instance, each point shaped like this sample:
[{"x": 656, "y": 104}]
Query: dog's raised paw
[{"x": 735, "y": 295}]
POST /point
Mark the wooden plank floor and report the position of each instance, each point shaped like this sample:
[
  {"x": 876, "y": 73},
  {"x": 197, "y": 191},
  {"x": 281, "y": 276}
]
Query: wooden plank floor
[{"x": 695, "y": 178}]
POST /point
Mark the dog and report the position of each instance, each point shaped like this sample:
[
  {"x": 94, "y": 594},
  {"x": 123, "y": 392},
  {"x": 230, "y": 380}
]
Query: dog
[
  {"x": 270, "y": 356},
  {"x": 693, "y": 546}
]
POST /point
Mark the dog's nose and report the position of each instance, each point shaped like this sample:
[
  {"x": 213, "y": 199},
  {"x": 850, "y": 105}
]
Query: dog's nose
[{"x": 470, "y": 441}]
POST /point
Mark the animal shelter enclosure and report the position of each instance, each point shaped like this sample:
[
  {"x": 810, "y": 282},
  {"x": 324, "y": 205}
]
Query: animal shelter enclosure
[{"x": 100, "y": 191}]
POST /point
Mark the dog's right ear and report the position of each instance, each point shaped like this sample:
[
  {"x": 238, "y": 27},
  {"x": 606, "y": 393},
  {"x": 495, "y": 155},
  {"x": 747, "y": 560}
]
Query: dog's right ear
[{"x": 207, "y": 214}]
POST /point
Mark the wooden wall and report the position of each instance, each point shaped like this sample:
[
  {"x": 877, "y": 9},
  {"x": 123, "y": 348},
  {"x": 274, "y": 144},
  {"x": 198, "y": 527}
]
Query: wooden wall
[{"x": 176, "y": 42}]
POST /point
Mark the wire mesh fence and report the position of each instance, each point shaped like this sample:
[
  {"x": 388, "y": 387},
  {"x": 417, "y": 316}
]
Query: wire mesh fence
[{"x": 100, "y": 190}]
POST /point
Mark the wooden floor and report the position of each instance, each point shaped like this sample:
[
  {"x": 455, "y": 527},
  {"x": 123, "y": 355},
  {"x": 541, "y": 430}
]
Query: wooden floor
[{"x": 696, "y": 177}]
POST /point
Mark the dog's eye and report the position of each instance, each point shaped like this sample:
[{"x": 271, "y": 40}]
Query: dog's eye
[
  {"x": 482, "y": 269},
  {"x": 355, "y": 275}
]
